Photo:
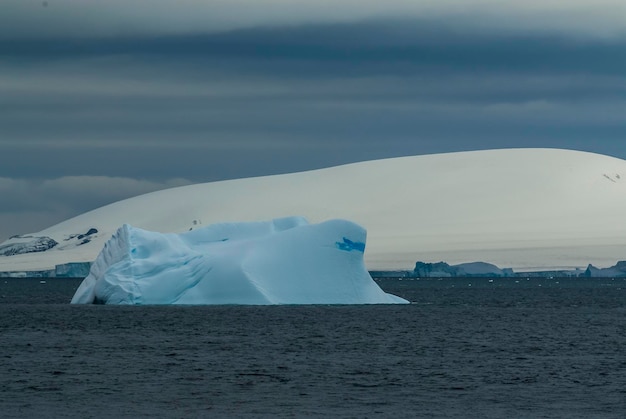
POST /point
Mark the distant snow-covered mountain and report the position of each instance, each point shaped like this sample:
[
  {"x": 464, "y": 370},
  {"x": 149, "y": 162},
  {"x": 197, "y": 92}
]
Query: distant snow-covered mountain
[{"x": 526, "y": 209}]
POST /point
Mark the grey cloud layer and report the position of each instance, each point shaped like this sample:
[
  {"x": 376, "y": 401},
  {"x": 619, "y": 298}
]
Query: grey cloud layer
[
  {"x": 50, "y": 201},
  {"x": 212, "y": 105},
  {"x": 300, "y": 97},
  {"x": 119, "y": 17}
]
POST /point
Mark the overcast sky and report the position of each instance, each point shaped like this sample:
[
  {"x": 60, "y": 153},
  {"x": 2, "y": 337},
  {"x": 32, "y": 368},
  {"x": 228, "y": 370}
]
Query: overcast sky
[{"x": 102, "y": 100}]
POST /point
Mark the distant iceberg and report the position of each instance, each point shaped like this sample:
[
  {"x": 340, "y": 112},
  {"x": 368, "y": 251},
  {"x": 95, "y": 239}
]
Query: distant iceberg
[
  {"x": 442, "y": 269},
  {"x": 283, "y": 261},
  {"x": 616, "y": 271}
]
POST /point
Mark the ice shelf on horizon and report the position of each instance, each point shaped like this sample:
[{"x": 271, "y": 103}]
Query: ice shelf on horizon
[{"x": 282, "y": 261}]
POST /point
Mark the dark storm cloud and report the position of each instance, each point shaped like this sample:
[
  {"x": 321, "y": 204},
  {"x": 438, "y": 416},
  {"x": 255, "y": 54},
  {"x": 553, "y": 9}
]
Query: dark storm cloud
[
  {"x": 83, "y": 19},
  {"x": 29, "y": 205},
  {"x": 92, "y": 191},
  {"x": 373, "y": 89},
  {"x": 261, "y": 100},
  {"x": 396, "y": 47}
]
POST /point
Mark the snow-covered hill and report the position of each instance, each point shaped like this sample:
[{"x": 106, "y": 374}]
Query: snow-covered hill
[{"x": 525, "y": 209}]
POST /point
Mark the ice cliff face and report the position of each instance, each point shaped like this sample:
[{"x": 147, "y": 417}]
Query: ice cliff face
[{"x": 284, "y": 261}]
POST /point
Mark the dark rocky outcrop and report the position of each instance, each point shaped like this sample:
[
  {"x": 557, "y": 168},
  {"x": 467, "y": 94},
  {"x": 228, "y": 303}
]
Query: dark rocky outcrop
[
  {"x": 36, "y": 244},
  {"x": 88, "y": 233}
]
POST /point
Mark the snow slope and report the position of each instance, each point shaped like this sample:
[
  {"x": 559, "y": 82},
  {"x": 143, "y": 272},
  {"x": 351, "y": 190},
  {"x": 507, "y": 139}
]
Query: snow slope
[{"x": 524, "y": 209}]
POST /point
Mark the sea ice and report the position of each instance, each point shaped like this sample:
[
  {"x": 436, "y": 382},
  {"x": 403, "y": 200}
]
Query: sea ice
[{"x": 283, "y": 261}]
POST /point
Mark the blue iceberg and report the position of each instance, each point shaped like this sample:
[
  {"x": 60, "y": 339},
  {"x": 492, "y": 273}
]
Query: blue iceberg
[{"x": 283, "y": 261}]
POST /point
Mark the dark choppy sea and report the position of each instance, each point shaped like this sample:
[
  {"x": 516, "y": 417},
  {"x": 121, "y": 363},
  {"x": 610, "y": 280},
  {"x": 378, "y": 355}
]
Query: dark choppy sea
[{"x": 551, "y": 348}]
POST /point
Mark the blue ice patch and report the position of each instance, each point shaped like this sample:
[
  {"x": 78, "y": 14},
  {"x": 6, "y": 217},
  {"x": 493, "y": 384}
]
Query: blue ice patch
[{"x": 348, "y": 245}]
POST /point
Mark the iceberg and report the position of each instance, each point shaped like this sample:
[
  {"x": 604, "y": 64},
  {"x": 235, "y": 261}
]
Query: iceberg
[
  {"x": 442, "y": 269},
  {"x": 616, "y": 271},
  {"x": 282, "y": 261}
]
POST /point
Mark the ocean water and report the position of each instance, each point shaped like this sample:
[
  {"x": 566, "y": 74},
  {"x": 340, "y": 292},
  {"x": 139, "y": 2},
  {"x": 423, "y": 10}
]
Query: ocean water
[{"x": 464, "y": 348}]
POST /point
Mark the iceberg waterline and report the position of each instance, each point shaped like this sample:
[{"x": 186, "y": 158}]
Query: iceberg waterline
[{"x": 283, "y": 261}]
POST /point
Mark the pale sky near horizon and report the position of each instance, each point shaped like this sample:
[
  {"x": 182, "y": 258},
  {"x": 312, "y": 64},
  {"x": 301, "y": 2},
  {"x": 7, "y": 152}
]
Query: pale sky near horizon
[{"x": 103, "y": 100}]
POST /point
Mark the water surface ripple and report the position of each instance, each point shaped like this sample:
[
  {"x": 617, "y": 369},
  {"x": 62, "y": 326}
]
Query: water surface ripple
[{"x": 464, "y": 348}]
